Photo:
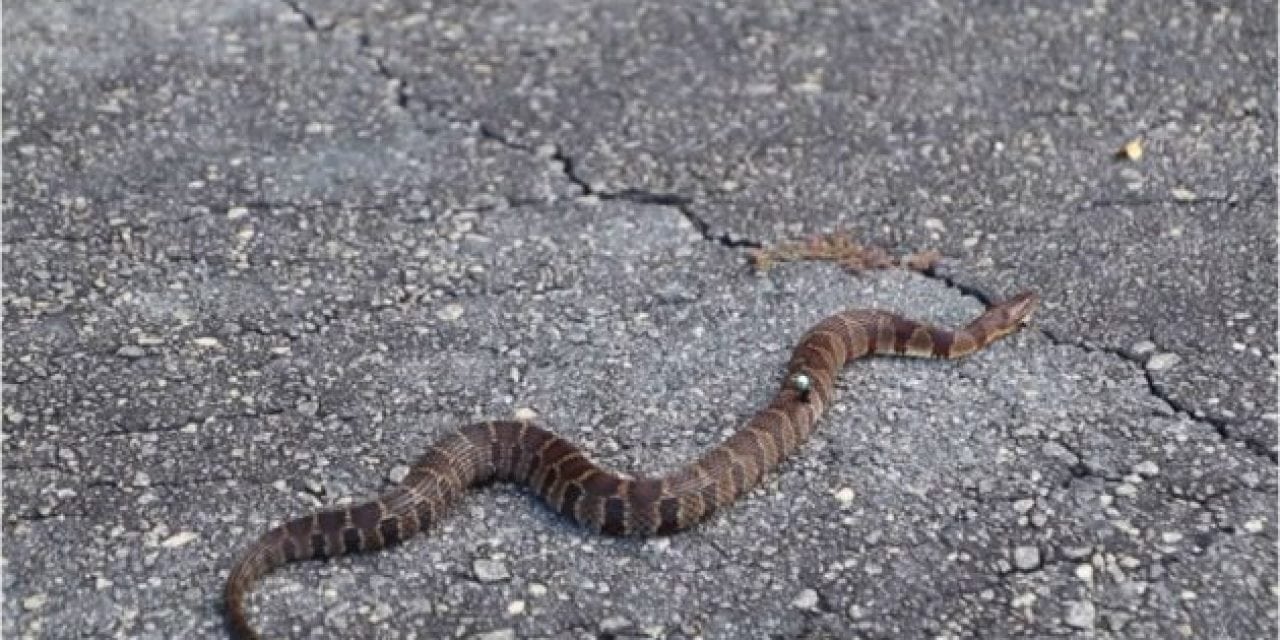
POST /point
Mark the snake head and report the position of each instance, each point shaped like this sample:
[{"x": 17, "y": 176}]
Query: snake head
[{"x": 1019, "y": 308}]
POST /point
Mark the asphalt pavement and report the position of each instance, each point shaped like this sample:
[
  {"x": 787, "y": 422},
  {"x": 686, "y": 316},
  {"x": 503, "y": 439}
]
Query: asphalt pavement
[{"x": 258, "y": 255}]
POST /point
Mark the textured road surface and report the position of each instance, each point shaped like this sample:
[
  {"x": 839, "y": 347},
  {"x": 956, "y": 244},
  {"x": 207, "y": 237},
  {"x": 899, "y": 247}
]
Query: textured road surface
[{"x": 257, "y": 255}]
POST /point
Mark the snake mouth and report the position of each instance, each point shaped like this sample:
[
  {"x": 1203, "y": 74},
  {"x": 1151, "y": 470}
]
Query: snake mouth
[{"x": 1021, "y": 307}]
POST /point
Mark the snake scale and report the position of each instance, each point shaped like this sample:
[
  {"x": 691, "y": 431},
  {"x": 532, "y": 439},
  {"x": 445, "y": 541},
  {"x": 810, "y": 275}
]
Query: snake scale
[{"x": 559, "y": 471}]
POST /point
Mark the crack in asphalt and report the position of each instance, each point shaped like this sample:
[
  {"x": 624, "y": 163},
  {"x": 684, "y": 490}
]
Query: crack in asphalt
[
  {"x": 1221, "y": 426},
  {"x": 36, "y": 516},
  {"x": 682, "y": 204},
  {"x": 307, "y": 18}
]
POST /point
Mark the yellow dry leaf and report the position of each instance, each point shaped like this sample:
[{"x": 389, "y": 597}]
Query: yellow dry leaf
[{"x": 1132, "y": 150}]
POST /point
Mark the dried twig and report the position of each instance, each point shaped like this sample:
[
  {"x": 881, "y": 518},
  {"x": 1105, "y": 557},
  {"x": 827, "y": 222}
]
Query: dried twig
[{"x": 841, "y": 248}]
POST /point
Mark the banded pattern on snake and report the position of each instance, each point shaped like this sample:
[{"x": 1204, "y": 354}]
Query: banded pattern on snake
[{"x": 559, "y": 471}]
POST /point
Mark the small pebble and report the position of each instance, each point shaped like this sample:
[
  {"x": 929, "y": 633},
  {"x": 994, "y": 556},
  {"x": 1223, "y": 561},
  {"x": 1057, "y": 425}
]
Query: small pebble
[
  {"x": 1084, "y": 571},
  {"x": 525, "y": 413},
  {"x": 1182, "y": 194},
  {"x": 497, "y": 634},
  {"x": 131, "y": 351},
  {"x": 381, "y": 611},
  {"x": 32, "y": 603},
  {"x": 1143, "y": 349},
  {"x": 1080, "y": 614},
  {"x": 516, "y": 607},
  {"x": 807, "y": 600},
  {"x": 1163, "y": 361},
  {"x": 676, "y": 293},
  {"x": 490, "y": 571},
  {"x": 845, "y": 496},
  {"x": 235, "y": 213},
  {"x": 398, "y": 473},
  {"x": 1056, "y": 450},
  {"x": 1133, "y": 588},
  {"x": 1254, "y": 526},
  {"x": 179, "y": 539},
  {"x": 450, "y": 312},
  {"x": 1024, "y": 505},
  {"x": 1146, "y": 468},
  {"x": 614, "y": 624},
  {"x": 537, "y": 589},
  {"x": 1026, "y": 558}
]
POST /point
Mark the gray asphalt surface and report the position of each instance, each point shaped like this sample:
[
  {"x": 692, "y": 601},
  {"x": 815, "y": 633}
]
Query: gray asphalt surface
[{"x": 258, "y": 255}]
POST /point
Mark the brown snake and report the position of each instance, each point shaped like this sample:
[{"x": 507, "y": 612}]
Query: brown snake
[{"x": 559, "y": 472}]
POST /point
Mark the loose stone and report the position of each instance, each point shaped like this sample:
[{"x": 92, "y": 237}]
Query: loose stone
[
  {"x": 490, "y": 570},
  {"x": 807, "y": 600},
  {"x": 1143, "y": 349},
  {"x": 1080, "y": 615},
  {"x": 497, "y": 634},
  {"x": 614, "y": 625},
  {"x": 845, "y": 496},
  {"x": 1084, "y": 572},
  {"x": 1163, "y": 361},
  {"x": 32, "y": 603},
  {"x": 450, "y": 312},
  {"x": 1146, "y": 468},
  {"x": 131, "y": 351},
  {"x": 1026, "y": 558}
]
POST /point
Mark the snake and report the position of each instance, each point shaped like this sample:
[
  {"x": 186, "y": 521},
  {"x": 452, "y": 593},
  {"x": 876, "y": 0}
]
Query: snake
[{"x": 608, "y": 502}]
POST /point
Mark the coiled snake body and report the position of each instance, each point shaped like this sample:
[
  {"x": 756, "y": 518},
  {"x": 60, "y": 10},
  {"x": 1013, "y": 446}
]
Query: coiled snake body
[{"x": 559, "y": 472}]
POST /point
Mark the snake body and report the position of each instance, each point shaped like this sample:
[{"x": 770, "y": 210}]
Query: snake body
[{"x": 595, "y": 497}]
